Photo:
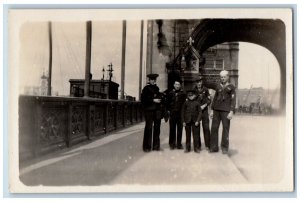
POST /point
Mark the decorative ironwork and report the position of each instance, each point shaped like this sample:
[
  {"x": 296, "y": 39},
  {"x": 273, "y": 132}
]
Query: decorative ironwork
[
  {"x": 127, "y": 112},
  {"x": 119, "y": 115},
  {"x": 78, "y": 121},
  {"x": 53, "y": 127},
  {"x": 134, "y": 113},
  {"x": 48, "y": 123},
  {"x": 99, "y": 118},
  {"x": 110, "y": 116},
  {"x": 92, "y": 119}
]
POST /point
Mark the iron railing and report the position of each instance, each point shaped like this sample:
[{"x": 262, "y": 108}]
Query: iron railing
[{"x": 49, "y": 123}]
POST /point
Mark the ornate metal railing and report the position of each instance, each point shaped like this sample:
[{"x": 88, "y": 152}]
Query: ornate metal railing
[{"x": 49, "y": 123}]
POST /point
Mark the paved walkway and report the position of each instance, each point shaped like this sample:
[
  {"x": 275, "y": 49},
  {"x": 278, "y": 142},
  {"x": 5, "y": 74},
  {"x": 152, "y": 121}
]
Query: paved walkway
[{"x": 118, "y": 159}]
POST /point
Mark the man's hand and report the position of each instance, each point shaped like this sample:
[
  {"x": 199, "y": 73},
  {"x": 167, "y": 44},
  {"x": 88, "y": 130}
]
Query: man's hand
[
  {"x": 197, "y": 123},
  {"x": 157, "y": 100},
  {"x": 203, "y": 106},
  {"x": 211, "y": 114},
  {"x": 230, "y": 115},
  {"x": 183, "y": 124}
]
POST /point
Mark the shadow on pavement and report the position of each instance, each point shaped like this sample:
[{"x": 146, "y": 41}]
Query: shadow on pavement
[{"x": 96, "y": 166}]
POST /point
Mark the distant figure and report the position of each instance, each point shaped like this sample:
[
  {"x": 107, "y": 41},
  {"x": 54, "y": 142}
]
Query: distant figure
[
  {"x": 191, "y": 116},
  {"x": 175, "y": 99},
  {"x": 151, "y": 100},
  {"x": 223, "y": 106},
  {"x": 240, "y": 109},
  {"x": 203, "y": 97}
]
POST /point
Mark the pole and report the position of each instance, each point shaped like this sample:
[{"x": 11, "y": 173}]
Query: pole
[
  {"x": 88, "y": 58},
  {"x": 123, "y": 59},
  {"x": 50, "y": 58},
  {"x": 141, "y": 59}
]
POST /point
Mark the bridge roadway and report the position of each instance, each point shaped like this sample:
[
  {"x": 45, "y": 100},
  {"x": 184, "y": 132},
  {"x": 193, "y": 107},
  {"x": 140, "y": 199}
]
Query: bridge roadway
[{"x": 117, "y": 159}]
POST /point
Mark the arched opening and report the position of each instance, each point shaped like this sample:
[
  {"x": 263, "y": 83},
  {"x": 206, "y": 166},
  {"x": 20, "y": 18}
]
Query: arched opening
[
  {"x": 259, "y": 76},
  {"x": 257, "y": 79},
  {"x": 264, "y": 32}
]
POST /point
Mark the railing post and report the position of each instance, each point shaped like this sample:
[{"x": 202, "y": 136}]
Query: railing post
[
  {"x": 123, "y": 114},
  {"x": 38, "y": 123},
  {"x": 106, "y": 117},
  {"x": 69, "y": 135},
  {"x": 91, "y": 120}
]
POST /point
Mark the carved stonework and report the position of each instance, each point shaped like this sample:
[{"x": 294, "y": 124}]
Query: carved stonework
[
  {"x": 53, "y": 125},
  {"x": 78, "y": 121}
]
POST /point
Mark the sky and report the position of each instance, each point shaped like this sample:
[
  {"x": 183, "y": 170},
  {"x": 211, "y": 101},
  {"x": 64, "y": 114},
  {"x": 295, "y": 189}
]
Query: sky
[{"x": 257, "y": 65}]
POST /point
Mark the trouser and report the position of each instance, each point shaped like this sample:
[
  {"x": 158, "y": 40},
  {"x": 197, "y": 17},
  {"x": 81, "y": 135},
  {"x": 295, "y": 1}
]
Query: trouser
[
  {"x": 214, "y": 139},
  {"x": 175, "y": 123},
  {"x": 190, "y": 127},
  {"x": 205, "y": 126},
  {"x": 152, "y": 121}
]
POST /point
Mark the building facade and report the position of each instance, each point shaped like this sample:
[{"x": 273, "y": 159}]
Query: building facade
[{"x": 171, "y": 54}]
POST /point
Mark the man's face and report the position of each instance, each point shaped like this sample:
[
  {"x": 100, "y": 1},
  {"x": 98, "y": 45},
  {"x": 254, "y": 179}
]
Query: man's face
[
  {"x": 224, "y": 78},
  {"x": 199, "y": 84},
  {"x": 177, "y": 85},
  {"x": 152, "y": 81}
]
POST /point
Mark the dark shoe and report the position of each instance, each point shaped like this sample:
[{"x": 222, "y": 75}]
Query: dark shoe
[
  {"x": 180, "y": 147},
  {"x": 197, "y": 150},
  {"x": 172, "y": 147},
  {"x": 187, "y": 150},
  {"x": 146, "y": 150},
  {"x": 207, "y": 148},
  {"x": 213, "y": 151}
]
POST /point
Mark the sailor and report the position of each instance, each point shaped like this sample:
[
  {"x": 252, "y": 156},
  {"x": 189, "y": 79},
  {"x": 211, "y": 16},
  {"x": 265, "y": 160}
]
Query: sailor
[
  {"x": 151, "y": 100},
  {"x": 223, "y": 106},
  {"x": 203, "y": 97}
]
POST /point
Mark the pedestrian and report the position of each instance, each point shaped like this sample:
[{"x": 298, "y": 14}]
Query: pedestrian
[
  {"x": 203, "y": 97},
  {"x": 175, "y": 99},
  {"x": 191, "y": 117},
  {"x": 151, "y": 101},
  {"x": 223, "y": 106}
]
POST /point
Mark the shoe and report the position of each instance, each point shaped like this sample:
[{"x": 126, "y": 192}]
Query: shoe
[
  {"x": 207, "y": 148},
  {"x": 172, "y": 147},
  {"x": 187, "y": 150},
  {"x": 180, "y": 147},
  {"x": 213, "y": 151},
  {"x": 197, "y": 150},
  {"x": 146, "y": 150}
]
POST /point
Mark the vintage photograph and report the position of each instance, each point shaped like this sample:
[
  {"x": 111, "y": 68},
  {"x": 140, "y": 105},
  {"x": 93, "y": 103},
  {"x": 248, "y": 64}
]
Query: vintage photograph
[{"x": 141, "y": 100}]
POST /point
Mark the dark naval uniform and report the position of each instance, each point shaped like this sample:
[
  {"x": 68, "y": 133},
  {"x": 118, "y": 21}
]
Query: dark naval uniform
[
  {"x": 153, "y": 114},
  {"x": 223, "y": 103},
  {"x": 175, "y": 100},
  {"x": 203, "y": 97},
  {"x": 191, "y": 113}
]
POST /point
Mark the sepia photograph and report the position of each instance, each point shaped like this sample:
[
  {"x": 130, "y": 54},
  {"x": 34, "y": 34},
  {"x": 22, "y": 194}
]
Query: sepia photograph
[{"x": 150, "y": 100}]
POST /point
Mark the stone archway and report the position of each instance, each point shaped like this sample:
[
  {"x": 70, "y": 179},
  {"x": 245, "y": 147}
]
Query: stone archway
[{"x": 265, "y": 32}]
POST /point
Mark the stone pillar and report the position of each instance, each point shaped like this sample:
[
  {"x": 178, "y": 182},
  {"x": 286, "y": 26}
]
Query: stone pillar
[{"x": 159, "y": 41}]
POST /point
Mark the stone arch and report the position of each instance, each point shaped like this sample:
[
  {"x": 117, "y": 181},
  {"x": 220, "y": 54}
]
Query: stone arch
[{"x": 269, "y": 33}]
